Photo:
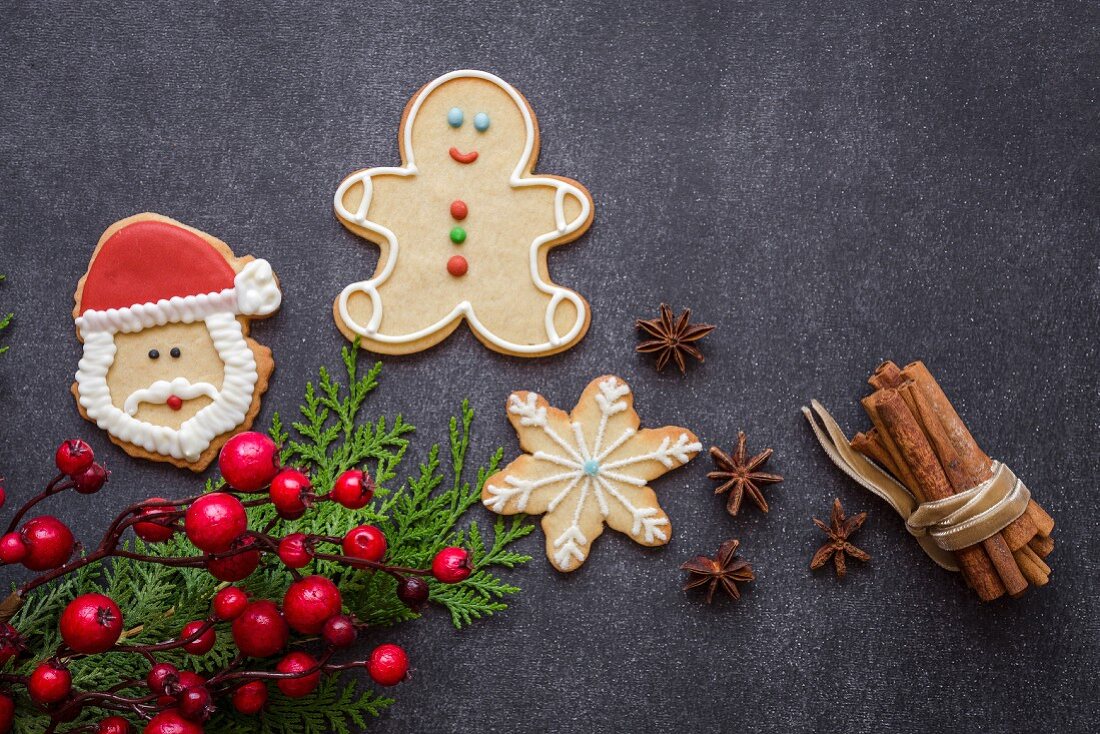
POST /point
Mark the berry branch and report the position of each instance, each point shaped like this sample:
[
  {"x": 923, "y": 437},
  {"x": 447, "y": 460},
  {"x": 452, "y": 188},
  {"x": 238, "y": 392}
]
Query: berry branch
[{"x": 223, "y": 582}]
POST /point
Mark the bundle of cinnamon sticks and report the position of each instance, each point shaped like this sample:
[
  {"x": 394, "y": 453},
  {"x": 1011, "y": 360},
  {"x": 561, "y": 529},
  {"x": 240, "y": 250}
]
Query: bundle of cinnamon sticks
[{"x": 920, "y": 439}]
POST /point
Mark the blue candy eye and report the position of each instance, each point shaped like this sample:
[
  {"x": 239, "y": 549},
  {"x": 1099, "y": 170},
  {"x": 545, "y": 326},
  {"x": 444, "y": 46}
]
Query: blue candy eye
[
  {"x": 455, "y": 117},
  {"x": 481, "y": 122}
]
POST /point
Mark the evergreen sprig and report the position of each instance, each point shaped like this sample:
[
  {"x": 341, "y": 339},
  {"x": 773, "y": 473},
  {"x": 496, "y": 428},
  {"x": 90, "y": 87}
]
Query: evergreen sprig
[
  {"x": 5, "y": 321},
  {"x": 419, "y": 517}
]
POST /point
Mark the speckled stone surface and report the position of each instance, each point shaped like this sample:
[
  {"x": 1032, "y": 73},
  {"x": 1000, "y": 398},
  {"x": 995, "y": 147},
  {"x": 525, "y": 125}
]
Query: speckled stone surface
[{"x": 832, "y": 184}]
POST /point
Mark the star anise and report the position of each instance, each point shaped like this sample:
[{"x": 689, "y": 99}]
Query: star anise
[
  {"x": 739, "y": 475},
  {"x": 838, "y": 545},
  {"x": 725, "y": 570},
  {"x": 672, "y": 337}
]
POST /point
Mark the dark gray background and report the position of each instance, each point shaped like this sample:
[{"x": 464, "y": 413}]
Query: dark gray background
[{"x": 830, "y": 184}]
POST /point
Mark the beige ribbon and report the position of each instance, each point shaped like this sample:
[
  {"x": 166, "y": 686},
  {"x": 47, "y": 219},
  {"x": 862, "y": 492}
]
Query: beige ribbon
[{"x": 941, "y": 526}]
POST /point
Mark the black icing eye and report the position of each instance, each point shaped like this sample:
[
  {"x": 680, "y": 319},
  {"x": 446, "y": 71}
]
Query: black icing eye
[
  {"x": 154, "y": 354},
  {"x": 175, "y": 352}
]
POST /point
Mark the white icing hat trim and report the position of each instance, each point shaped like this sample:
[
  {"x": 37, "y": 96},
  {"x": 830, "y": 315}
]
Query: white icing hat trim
[
  {"x": 258, "y": 292},
  {"x": 255, "y": 292},
  {"x": 465, "y": 308}
]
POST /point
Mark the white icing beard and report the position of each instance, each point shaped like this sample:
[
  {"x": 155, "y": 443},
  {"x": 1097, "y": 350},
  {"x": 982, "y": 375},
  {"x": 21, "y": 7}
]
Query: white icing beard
[{"x": 227, "y": 411}]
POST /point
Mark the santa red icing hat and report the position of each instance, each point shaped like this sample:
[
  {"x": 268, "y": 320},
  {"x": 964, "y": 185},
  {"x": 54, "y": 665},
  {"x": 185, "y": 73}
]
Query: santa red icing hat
[{"x": 154, "y": 272}]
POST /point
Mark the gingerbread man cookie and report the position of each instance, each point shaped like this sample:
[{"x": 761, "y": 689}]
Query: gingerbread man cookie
[
  {"x": 586, "y": 468},
  {"x": 163, "y": 311},
  {"x": 464, "y": 228}
]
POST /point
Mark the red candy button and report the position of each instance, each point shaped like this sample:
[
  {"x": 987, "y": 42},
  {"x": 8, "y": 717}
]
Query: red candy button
[
  {"x": 175, "y": 402},
  {"x": 459, "y": 210},
  {"x": 457, "y": 266}
]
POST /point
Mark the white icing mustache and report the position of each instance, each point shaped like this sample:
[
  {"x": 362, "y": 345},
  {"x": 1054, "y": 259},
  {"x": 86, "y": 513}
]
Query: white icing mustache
[{"x": 161, "y": 390}]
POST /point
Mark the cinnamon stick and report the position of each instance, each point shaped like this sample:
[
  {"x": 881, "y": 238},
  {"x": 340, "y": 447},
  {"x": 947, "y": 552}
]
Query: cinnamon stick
[
  {"x": 888, "y": 408},
  {"x": 974, "y": 465},
  {"x": 961, "y": 478},
  {"x": 903, "y": 474},
  {"x": 1033, "y": 567},
  {"x": 1039, "y": 516},
  {"x": 871, "y": 446},
  {"x": 886, "y": 375},
  {"x": 965, "y": 445},
  {"x": 1042, "y": 545}
]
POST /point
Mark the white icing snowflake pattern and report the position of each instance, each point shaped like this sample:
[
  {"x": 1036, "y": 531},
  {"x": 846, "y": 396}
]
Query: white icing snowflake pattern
[{"x": 588, "y": 468}]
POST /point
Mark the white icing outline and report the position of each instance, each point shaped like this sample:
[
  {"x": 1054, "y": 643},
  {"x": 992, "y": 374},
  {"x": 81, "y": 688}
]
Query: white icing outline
[
  {"x": 255, "y": 292},
  {"x": 571, "y": 544},
  {"x": 465, "y": 308},
  {"x": 227, "y": 411}
]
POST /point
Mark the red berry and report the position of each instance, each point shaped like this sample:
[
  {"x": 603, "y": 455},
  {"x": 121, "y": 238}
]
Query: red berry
[
  {"x": 11, "y": 645},
  {"x": 389, "y": 665},
  {"x": 172, "y": 722},
  {"x": 214, "y": 521},
  {"x": 49, "y": 683},
  {"x": 339, "y": 631},
  {"x": 183, "y": 681},
  {"x": 229, "y": 603},
  {"x": 12, "y": 548},
  {"x": 365, "y": 542},
  {"x": 49, "y": 543},
  {"x": 154, "y": 531},
  {"x": 295, "y": 551},
  {"x": 238, "y": 566},
  {"x": 298, "y": 662},
  {"x": 91, "y": 480},
  {"x": 249, "y": 461},
  {"x": 413, "y": 591},
  {"x": 309, "y": 603},
  {"x": 195, "y": 703},
  {"x": 7, "y": 713},
  {"x": 3, "y": 496},
  {"x": 452, "y": 565},
  {"x": 260, "y": 631},
  {"x": 73, "y": 457},
  {"x": 353, "y": 489},
  {"x": 250, "y": 698},
  {"x": 114, "y": 725},
  {"x": 91, "y": 624},
  {"x": 187, "y": 679},
  {"x": 290, "y": 493},
  {"x": 202, "y": 644},
  {"x": 162, "y": 677}
]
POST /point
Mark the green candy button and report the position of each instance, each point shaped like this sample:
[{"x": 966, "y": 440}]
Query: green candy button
[{"x": 458, "y": 235}]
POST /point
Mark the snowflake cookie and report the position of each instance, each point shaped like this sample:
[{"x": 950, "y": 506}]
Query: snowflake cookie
[{"x": 587, "y": 468}]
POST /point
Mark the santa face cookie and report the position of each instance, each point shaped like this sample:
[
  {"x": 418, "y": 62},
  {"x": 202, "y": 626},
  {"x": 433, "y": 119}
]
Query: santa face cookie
[
  {"x": 464, "y": 228},
  {"x": 587, "y": 468},
  {"x": 168, "y": 369}
]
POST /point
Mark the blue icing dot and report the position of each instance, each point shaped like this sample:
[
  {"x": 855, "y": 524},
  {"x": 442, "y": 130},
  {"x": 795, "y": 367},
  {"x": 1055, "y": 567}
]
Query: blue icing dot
[
  {"x": 481, "y": 121},
  {"x": 454, "y": 117},
  {"x": 591, "y": 467}
]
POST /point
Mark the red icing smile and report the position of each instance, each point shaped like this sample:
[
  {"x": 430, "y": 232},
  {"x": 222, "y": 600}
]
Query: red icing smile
[
  {"x": 175, "y": 402},
  {"x": 461, "y": 157}
]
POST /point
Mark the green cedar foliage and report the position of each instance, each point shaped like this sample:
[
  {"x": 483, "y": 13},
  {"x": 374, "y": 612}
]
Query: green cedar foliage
[{"x": 5, "y": 321}]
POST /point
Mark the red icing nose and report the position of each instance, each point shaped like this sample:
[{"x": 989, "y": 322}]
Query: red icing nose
[{"x": 175, "y": 402}]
